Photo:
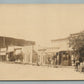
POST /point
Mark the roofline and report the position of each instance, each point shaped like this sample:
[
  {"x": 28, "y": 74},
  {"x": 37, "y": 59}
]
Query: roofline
[
  {"x": 16, "y": 41},
  {"x": 77, "y": 33},
  {"x": 15, "y": 38},
  {"x": 60, "y": 39}
]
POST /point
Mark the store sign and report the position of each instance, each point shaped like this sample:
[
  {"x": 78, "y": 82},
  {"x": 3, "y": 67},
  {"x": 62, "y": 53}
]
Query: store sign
[{"x": 3, "y": 51}]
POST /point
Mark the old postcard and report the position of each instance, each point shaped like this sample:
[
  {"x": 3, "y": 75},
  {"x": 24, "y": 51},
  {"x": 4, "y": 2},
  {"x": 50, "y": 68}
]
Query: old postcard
[{"x": 41, "y": 41}]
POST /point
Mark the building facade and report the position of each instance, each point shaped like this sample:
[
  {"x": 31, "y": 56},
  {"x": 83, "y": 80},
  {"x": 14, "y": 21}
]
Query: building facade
[
  {"x": 63, "y": 52},
  {"x": 11, "y": 49},
  {"x": 61, "y": 44}
]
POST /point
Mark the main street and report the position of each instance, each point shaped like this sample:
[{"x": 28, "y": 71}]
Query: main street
[{"x": 29, "y": 72}]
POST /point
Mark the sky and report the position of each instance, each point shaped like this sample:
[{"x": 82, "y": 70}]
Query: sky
[{"x": 41, "y": 22}]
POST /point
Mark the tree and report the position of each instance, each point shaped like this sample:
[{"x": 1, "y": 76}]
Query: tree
[{"x": 76, "y": 42}]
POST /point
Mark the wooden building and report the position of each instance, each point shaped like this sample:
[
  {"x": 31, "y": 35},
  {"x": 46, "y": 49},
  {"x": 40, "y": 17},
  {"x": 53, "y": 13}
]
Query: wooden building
[
  {"x": 63, "y": 53},
  {"x": 14, "y": 46}
]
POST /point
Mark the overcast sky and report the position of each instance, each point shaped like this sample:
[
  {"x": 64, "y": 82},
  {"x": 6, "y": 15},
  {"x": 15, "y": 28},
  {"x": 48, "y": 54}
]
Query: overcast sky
[{"x": 41, "y": 22}]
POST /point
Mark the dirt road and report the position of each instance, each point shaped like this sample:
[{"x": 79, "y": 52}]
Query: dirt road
[{"x": 29, "y": 72}]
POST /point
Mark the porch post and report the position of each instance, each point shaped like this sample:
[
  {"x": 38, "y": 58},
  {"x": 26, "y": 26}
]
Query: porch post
[{"x": 31, "y": 53}]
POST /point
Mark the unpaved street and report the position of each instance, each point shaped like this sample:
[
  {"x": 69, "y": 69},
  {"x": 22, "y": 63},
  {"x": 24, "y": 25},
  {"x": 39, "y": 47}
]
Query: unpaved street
[{"x": 29, "y": 72}]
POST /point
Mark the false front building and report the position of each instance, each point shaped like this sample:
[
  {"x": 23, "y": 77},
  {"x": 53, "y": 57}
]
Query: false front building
[{"x": 63, "y": 51}]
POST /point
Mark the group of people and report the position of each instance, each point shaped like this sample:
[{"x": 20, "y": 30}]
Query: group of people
[
  {"x": 78, "y": 60},
  {"x": 53, "y": 60},
  {"x": 60, "y": 59}
]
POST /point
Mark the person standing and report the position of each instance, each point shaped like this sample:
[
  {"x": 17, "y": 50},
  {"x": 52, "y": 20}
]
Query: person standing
[
  {"x": 49, "y": 61},
  {"x": 77, "y": 63}
]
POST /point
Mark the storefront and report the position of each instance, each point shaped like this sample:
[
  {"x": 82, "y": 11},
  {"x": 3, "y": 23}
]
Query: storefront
[
  {"x": 14, "y": 47},
  {"x": 63, "y": 58}
]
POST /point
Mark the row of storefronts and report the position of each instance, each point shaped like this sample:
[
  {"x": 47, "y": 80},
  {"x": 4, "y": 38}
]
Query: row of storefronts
[
  {"x": 63, "y": 58},
  {"x": 17, "y": 50},
  {"x": 59, "y": 53}
]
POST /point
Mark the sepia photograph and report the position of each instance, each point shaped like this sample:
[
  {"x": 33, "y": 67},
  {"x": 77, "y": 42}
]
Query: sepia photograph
[{"x": 41, "y": 41}]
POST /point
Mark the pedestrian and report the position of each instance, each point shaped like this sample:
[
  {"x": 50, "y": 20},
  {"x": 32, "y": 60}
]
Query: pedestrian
[
  {"x": 77, "y": 63},
  {"x": 49, "y": 61},
  {"x": 54, "y": 60}
]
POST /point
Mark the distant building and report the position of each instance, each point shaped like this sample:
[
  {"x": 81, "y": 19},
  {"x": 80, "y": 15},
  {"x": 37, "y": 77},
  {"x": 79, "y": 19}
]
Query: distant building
[{"x": 45, "y": 53}]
